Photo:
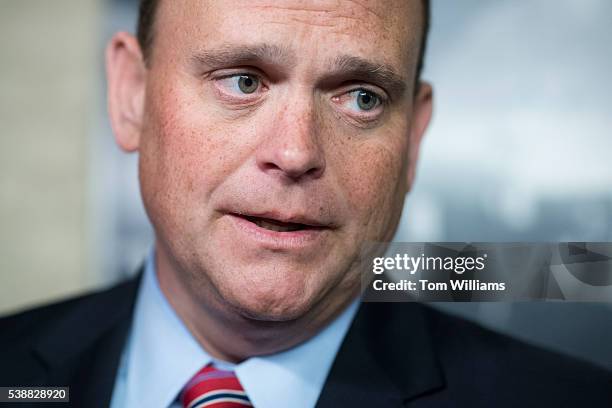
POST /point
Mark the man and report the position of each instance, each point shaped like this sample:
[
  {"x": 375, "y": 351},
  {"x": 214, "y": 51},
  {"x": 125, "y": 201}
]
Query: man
[{"x": 274, "y": 139}]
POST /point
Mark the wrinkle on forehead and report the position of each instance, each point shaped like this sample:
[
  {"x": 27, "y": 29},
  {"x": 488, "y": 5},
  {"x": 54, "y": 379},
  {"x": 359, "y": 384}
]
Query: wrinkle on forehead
[
  {"x": 377, "y": 21},
  {"x": 386, "y": 12},
  {"x": 358, "y": 11},
  {"x": 386, "y": 30}
]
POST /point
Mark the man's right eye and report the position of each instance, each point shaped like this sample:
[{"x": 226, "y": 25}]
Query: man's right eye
[{"x": 240, "y": 84}]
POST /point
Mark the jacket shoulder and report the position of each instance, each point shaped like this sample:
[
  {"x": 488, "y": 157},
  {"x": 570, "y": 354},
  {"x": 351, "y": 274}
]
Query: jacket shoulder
[
  {"x": 25, "y": 326},
  {"x": 476, "y": 358},
  {"x": 475, "y": 340},
  {"x": 75, "y": 343}
]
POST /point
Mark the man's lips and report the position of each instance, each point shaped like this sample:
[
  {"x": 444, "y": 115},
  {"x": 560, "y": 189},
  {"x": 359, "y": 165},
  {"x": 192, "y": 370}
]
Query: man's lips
[
  {"x": 274, "y": 225},
  {"x": 279, "y": 223},
  {"x": 279, "y": 231}
]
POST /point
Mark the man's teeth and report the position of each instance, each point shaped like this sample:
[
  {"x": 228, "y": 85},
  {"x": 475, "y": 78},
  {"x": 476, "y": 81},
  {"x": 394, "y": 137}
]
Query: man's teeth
[{"x": 276, "y": 227}]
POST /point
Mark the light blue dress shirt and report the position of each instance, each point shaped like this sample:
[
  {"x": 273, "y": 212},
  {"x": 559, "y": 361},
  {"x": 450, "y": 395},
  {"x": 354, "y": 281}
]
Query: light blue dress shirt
[{"x": 161, "y": 356}]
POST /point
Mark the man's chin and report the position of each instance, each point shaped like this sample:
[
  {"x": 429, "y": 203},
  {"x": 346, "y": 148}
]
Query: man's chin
[{"x": 270, "y": 305}]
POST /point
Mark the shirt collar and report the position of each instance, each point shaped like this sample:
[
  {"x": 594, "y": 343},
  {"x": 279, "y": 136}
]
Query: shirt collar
[
  {"x": 162, "y": 353},
  {"x": 295, "y": 377},
  {"x": 162, "y": 356}
]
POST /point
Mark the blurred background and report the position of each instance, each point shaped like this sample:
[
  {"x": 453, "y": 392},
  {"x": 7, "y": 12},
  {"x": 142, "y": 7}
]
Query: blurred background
[{"x": 519, "y": 150}]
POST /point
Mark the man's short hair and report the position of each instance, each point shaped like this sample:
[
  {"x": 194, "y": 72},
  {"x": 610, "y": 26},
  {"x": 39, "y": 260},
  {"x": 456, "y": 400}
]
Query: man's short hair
[{"x": 146, "y": 19}]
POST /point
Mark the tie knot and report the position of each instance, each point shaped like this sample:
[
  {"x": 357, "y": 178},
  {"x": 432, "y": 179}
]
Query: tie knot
[{"x": 214, "y": 388}]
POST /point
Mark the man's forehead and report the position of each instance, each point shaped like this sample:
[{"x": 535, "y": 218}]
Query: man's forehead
[
  {"x": 387, "y": 30},
  {"x": 357, "y": 9},
  {"x": 363, "y": 10}
]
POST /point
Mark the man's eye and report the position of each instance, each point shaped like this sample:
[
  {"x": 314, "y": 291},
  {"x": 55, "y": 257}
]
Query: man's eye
[
  {"x": 248, "y": 83},
  {"x": 364, "y": 100},
  {"x": 242, "y": 83}
]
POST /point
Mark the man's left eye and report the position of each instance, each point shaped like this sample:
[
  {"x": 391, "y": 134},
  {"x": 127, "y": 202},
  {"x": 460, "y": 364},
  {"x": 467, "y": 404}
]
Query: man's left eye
[
  {"x": 364, "y": 100},
  {"x": 241, "y": 83}
]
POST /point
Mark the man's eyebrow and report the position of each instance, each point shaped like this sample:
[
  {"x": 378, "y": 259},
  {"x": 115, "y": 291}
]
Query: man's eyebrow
[
  {"x": 379, "y": 74},
  {"x": 235, "y": 55}
]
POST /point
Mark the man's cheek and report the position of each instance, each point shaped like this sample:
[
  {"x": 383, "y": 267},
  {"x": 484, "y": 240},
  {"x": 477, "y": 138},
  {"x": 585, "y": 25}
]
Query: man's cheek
[
  {"x": 373, "y": 194},
  {"x": 373, "y": 173},
  {"x": 190, "y": 156}
]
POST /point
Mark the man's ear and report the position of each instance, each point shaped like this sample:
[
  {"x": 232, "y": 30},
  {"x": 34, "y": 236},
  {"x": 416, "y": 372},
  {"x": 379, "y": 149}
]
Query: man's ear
[
  {"x": 421, "y": 115},
  {"x": 126, "y": 80}
]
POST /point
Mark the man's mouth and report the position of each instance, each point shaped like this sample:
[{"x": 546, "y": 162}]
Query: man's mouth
[
  {"x": 279, "y": 226},
  {"x": 278, "y": 230}
]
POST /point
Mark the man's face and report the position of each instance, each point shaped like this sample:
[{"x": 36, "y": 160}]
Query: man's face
[{"x": 278, "y": 137}]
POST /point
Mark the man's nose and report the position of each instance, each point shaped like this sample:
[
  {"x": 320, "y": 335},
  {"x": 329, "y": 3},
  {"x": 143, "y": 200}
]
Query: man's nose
[{"x": 293, "y": 149}]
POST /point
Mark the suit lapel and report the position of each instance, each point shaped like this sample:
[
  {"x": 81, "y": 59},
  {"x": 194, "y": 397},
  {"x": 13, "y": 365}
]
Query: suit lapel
[
  {"x": 83, "y": 349},
  {"x": 386, "y": 359}
]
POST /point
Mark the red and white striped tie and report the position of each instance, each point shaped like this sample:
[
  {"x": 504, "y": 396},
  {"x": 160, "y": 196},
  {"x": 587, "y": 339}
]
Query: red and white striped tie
[{"x": 213, "y": 388}]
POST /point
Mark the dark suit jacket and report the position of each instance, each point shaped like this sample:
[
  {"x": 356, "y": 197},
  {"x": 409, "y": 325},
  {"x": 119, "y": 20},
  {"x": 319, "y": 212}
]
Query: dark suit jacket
[{"x": 394, "y": 355}]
